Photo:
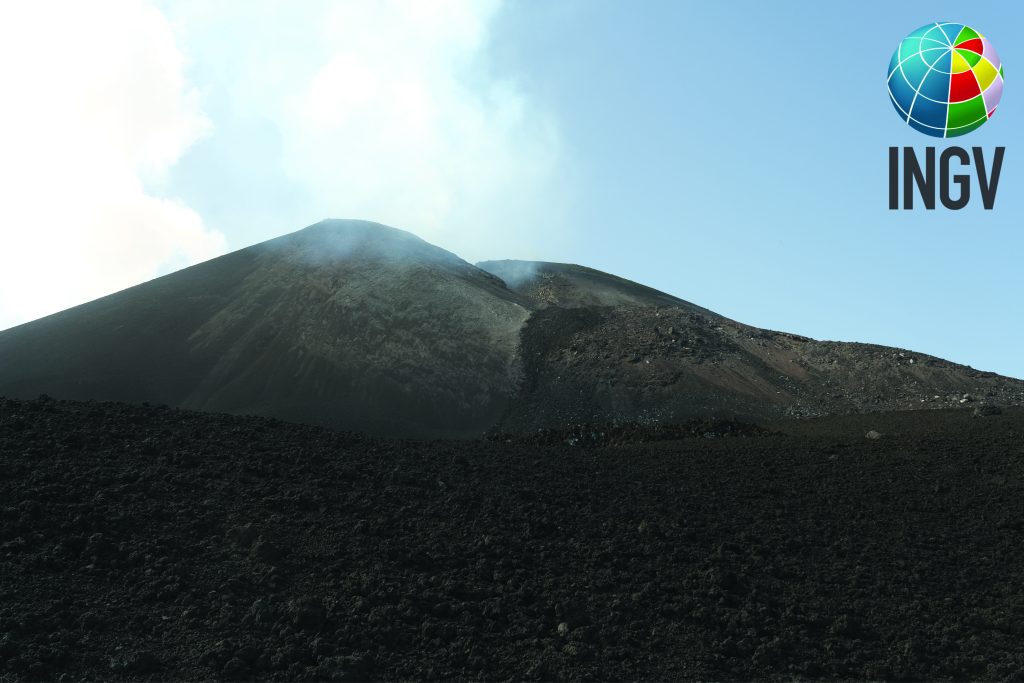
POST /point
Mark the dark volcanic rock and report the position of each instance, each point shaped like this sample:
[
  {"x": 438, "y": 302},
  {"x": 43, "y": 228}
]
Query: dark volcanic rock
[
  {"x": 654, "y": 364},
  {"x": 307, "y": 614},
  {"x": 987, "y": 411},
  {"x": 264, "y": 551},
  {"x": 797, "y": 549}
]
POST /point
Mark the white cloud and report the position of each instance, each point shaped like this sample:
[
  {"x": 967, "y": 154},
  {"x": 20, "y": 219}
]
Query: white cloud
[
  {"x": 388, "y": 110},
  {"x": 385, "y": 109},
  {"x": 94, "y": 103},
  {"x": 403, "y": 124}
]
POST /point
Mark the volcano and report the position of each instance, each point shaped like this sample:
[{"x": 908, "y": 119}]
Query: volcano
[
  {"x": 358, "y": 326},
  {"x": 346, "y": 323}
]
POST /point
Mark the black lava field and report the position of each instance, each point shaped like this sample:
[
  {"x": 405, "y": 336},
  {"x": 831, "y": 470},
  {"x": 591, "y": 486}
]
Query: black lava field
[{"x": 148, "y": 543}]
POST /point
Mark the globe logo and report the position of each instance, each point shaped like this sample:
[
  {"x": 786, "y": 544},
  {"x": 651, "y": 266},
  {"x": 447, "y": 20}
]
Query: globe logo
[{"x": 945, "y": 79}]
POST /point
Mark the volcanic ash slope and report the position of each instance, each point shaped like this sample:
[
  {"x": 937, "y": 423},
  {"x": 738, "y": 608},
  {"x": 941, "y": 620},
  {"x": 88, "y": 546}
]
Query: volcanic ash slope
[
  {"x": 602, "y": 349},
  {"x": 346, "y": 323},
  {"x": 358, "y": 326}
]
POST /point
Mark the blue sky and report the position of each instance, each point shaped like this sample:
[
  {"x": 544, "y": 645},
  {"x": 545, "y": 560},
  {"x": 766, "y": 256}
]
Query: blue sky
[{"x": 732, "y": 154}]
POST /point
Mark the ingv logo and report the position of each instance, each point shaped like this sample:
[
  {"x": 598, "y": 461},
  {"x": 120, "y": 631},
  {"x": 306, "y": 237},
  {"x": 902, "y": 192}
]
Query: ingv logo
[{"x": 945, "y": 80}]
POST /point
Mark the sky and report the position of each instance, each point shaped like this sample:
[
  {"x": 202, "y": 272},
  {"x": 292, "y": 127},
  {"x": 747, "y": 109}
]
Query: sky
[{"x": 732, "y": 154}]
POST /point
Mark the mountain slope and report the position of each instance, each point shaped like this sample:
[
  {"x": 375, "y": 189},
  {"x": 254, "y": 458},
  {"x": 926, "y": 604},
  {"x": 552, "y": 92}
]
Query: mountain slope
[
  {"x": 346, "y": 323},
  {"x": 358, "y": 326},
  {"x": 662, "y": 364},
  {"x": 571, "y": 286}
]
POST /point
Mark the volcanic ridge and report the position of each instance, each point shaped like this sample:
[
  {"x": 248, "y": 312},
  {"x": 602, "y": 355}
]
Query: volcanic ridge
[{"x": 355, "y": 325}]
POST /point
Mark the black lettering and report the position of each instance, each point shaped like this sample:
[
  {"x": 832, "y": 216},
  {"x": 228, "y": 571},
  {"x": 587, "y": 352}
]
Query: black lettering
[
  {"x": 964, "y": 181},
  {"x": 913, "y": 175},
  {"x": 986, "y": 182},
  {"x": 894, "y": 178}
]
